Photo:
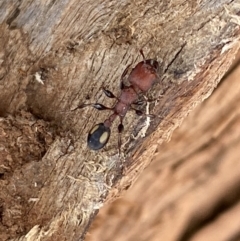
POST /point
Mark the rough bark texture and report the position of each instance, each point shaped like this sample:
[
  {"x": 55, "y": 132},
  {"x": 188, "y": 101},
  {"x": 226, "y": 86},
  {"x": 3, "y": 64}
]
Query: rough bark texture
[
  {"x": 191, "y": 191},
  {"x": 56, "y": 55}
]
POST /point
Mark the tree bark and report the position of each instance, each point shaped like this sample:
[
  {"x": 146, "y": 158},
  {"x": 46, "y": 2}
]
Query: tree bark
[
  {"x": 191, "y": 189},
  {"x": 56, "y": 55}
]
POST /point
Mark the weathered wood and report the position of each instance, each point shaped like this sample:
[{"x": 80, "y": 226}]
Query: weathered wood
[
  {"x": 56, "y": 55},
  {"x": 191, "y": 189}
]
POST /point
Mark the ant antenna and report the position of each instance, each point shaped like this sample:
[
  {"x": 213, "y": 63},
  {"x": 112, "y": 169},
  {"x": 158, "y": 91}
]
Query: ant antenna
[{"x": 141, "y": 52}]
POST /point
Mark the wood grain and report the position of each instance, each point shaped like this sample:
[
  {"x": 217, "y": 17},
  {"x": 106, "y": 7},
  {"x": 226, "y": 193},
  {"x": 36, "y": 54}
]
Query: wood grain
[
  {"x": 191, "y": 189},
  {"x": 56, "y": 55}
]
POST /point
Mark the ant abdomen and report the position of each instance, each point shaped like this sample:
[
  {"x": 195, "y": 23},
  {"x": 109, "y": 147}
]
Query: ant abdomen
[{"x": 98, "y": 136}]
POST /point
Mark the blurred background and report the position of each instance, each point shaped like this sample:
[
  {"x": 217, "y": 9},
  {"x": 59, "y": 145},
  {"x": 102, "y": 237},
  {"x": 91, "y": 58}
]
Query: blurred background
[{"x": 191, "y": 190}]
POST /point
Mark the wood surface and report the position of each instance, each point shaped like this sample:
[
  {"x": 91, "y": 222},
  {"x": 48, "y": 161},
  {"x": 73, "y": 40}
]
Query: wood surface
[
  {"x": 55, "y": 55},
  {"x": 191, "y": 190}
]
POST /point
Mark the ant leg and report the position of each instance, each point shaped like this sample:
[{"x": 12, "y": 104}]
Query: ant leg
[
  {"x": 140, "y": 113},
  {"x": 149, "y": 100},
  {"x": 120, "y": 130},
  {"x": 97, "y": 106},
  {"x": 108, "y": 93},
  {"x": 146, "y": 100},
  {"x": 139, "y": 102}
]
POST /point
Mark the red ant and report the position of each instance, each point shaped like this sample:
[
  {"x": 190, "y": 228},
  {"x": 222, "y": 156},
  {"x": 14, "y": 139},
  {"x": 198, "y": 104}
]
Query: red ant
[{"x": 141, "y": 79}]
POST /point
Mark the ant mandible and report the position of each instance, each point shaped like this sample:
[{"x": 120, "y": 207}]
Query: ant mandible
[{"x": 141, "y": 79}]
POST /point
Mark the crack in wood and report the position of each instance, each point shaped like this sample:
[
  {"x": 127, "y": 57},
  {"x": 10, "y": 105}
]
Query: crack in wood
[{"x": 12, "y": 17}]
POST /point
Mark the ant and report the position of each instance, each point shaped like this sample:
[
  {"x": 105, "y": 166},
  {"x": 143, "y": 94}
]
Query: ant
[{"x": 141, "y": 79}]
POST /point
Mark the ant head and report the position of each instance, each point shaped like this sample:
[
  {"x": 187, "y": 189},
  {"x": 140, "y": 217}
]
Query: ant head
[{"x": 98, "y": 136}]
